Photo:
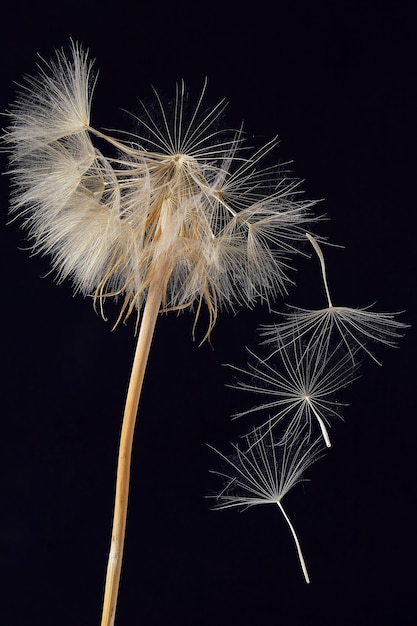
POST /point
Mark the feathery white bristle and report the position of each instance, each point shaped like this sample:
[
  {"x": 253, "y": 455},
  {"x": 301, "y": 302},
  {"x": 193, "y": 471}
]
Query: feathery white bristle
[{"x": 186, "y": 192}]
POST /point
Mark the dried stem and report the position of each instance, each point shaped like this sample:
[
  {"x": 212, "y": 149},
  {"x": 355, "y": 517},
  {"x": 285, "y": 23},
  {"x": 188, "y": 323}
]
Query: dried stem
[{"x": 150, "y": 314}]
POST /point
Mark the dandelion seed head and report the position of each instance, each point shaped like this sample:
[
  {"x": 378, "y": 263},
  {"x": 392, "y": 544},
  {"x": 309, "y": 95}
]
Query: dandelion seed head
[{"x": 182, "y": 196}]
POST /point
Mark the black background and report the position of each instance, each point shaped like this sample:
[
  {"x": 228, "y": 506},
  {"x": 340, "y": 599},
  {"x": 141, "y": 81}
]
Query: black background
[{"x": 336, "y": 81}]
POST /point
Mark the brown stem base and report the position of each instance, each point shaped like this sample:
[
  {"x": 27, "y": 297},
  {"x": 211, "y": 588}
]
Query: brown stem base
[{"x": 147, "y": 326}]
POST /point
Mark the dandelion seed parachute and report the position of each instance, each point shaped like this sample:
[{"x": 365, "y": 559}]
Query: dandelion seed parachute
[
  {"x": 265, "y": 471},
  {"x": 298, "y": 385},
  {"x": 356, "y": 327}
]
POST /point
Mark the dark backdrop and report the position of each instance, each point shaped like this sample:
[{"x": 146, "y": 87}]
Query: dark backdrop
[{"x": 336, "y": 81}]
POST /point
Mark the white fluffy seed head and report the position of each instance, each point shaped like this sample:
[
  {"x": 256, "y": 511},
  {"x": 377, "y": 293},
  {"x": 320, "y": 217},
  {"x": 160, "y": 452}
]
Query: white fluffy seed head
[{"x": 185, "y": 197}]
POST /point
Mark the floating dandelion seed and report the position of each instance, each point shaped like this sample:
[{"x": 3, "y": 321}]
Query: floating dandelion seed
[
  {"x": 300, "y": 384},
  {"x": 179, "y": 218},
  {"x": 265, "y": 471},
  {"x": 356, "y": 327}
]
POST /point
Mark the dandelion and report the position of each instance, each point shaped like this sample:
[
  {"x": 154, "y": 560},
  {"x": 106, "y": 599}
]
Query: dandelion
[
  {"x": 300, "y": 384},
  {"x": 356, "y": 327},
  {"x": 264, "y": 472},
  {"x": 183, "y": 202},
  {"x": 174, "y": 217}
]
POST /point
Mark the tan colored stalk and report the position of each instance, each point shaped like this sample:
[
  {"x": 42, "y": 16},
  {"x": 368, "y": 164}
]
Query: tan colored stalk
[{"x": 147, "y": 326}]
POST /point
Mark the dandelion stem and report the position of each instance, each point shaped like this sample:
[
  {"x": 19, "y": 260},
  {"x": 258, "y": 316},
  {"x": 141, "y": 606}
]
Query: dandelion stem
[
  {"x": 323, "y": 266},
  {"x": 150, "y": 314},
  {"x": 297, "y": 543}
]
